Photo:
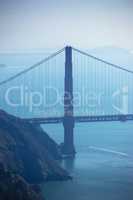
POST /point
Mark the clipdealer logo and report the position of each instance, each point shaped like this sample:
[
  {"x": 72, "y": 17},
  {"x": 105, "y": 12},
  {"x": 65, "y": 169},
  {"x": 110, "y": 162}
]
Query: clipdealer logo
[
  {"x": 51, "y": 97},
  {"x": 123, "y": 95}
]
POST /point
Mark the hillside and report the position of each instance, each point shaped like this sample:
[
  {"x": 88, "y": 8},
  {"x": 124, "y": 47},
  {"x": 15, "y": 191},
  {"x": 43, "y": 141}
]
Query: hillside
[{"x": 27, "y": 151}]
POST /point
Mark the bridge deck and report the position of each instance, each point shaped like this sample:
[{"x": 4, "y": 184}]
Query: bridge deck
[{"x": 100, "y": 118}]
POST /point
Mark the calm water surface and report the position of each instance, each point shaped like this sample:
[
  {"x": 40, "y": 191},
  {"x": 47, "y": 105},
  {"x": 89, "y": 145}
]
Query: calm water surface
[{"x": 103, "y": 166}]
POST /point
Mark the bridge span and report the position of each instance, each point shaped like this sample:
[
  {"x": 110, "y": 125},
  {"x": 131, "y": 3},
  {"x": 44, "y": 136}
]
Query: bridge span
[
  {"x": 92, "y": 73},
  {"x": 80, "y": 119}
]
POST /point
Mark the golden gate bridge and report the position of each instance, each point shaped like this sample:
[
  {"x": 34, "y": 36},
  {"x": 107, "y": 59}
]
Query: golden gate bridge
[{"x": 64, "y": 72}]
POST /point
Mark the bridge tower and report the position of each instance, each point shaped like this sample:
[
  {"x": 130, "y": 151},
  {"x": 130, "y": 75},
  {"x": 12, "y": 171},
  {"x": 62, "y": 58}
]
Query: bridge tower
[{"x": 68, "y": 122}]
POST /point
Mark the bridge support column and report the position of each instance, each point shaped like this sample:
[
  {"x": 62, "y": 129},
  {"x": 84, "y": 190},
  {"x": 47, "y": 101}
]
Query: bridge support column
[{"x": 68, "y": 123}]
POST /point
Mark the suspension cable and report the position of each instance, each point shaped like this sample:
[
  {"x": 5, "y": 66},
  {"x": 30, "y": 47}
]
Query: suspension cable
[
  {"x": 31, "y": 67},
  {"x": 103, "y": 61}
]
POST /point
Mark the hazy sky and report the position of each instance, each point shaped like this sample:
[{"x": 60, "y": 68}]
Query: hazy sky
[{"x": 27, "y": 24}]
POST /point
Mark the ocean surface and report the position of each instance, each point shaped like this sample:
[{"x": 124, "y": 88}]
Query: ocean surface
[{"x": 103, "y": 166}]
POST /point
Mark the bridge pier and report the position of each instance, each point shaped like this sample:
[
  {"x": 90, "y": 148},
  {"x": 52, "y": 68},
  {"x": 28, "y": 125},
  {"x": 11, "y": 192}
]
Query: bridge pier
[
  {"x": 68, "y": 122},
  {"x": 68, "y": 146}
]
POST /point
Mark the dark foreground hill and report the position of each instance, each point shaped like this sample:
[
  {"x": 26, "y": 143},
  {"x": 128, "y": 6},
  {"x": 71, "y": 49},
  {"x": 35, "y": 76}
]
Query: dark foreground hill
[
  {"x": 14, "y": 187},
  {"x": 29, "y": 153}
]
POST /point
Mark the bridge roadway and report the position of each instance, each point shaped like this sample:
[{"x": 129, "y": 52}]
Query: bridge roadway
[{"x": 99, "y": 118}]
